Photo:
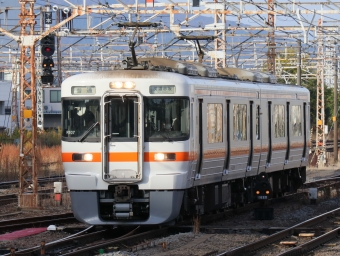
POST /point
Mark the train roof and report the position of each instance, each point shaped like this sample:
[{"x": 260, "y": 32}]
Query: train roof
[
  {"x": 183, "y": 71},
  {"x": 194, "y": 68}
]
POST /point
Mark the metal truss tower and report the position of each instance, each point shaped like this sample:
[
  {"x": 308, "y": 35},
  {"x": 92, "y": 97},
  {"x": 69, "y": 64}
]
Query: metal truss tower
[
  {"x": 220, "y": 40},
  {"x": 271, "y": 38},
  {"x": 28, "y": 115},
  {"x": 330, "y": 58},
  {"x": 28, "y": 121},
  {"x": 320, "y": 149}
]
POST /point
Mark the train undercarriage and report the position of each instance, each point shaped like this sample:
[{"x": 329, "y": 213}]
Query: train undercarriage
[
  {"x": 236, "y": 193},
  {"x": 126, "y": 203}
]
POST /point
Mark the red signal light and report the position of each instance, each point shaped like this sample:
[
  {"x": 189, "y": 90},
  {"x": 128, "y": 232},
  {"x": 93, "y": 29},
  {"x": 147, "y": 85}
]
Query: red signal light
[{"x": 47, "y": 45}]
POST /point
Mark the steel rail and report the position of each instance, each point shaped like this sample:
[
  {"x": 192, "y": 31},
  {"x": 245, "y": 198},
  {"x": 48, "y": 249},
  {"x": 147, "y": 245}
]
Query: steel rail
[
  {"x": 16, "y": 224},
  {"x": 62, "y": 243},
  {"x": 127, "y": 239},
  {"x": 307, "y": 247},
  {"x": 277, "y": 236},
  {"x": 41, "y": 180},
  {"x": 7, "y": 199}
]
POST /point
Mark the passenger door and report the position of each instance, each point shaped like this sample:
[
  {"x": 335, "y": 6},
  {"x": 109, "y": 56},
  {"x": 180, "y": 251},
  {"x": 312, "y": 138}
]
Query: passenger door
[
  {"x": 296, "y": 138},
  {"x": 255, "y": 138},
  {"x": 122, "y": 146},
  {"x": 212, "y": 149},
  {"x": 239, "y": 139}
]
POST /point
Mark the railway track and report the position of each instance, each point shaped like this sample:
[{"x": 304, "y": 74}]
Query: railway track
[
  {"x": 41, "y": 221},
  {"x": 13, "y": 198},
  {"x": 8, "y": 199},
  {"x": 282, "y": 235},
  {"x": 329, "y": 145},
  {"x": 41, "y": 181},
  {"x": 91, "y": 241}
]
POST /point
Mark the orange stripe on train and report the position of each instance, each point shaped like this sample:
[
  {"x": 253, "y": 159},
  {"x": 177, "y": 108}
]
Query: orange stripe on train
[{"x": 129, "y": 157}]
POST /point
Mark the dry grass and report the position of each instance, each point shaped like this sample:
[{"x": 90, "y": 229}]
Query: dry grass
[
  {"x": 48, "y": 161},
  {"x": 9, "y": 162}
]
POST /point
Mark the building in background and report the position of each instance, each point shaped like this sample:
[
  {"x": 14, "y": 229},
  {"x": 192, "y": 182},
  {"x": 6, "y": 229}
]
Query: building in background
[
  {"x": 5, "y": 102},
  {"x": 52, "y": 107},
  {"x": 51, "y": 104}
]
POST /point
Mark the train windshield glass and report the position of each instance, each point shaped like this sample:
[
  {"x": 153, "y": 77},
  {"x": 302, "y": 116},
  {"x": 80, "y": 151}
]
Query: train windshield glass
[
  {"x": 166, "y": 119},
  {"x": 81, "y": 120}
]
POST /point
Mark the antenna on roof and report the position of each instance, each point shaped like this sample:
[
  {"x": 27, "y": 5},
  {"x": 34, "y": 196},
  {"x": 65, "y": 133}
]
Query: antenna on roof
[
  {"x": 131, "y": 62},
  {"x": 200, "y": 53}
]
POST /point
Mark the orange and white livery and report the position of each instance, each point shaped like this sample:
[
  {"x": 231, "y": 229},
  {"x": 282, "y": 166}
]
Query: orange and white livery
[{"x": 144, "y": 146}]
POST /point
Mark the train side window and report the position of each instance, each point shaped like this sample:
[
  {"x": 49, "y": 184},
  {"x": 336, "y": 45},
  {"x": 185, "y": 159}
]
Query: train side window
[
  {"x": 257, "y": 122},
  {"x": 279, "y": 121},
  {"x": 215, "y": 123},
  {"x": 166, "y": 118},
  {"x": 240, "y": 122},
  {"x": 296, "y": 121}
]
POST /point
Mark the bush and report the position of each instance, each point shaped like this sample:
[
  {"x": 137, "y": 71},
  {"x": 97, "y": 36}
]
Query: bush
[{"x": 50, "y": 138}]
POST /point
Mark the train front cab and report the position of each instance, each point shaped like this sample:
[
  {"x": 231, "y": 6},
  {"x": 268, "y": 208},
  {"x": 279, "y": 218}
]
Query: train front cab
[{"x": 133, "y": 180}]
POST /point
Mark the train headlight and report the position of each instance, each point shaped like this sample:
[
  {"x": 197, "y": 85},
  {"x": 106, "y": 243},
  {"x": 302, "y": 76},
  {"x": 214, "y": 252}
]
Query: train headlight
[
  {"x": 165, "y": 157},
  {"x": 129, "y": 85},
  {"x": 116, "y": 85},
  {"x": 88, "y": 157},
  {"x": 257, "y": 192},
  {"x": 122, "y": 85},
  {"x": 267, "y": 192},
  {"x": 159, "y": 157}
]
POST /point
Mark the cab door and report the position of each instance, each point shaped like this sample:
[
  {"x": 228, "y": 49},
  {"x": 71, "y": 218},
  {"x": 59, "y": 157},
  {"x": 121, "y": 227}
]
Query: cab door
[{"x": 122, "y": 142}]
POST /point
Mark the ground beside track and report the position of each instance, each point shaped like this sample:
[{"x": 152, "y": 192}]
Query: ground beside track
[{"x": 185, "y": 243}]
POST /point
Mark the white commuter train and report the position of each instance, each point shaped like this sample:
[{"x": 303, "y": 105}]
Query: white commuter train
[{"x": 149, "y": 144}]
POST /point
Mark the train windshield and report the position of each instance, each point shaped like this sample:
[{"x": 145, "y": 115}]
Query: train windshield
[
  {"x": 80, "y": 120},
  {"x": 166, "y": 119}
]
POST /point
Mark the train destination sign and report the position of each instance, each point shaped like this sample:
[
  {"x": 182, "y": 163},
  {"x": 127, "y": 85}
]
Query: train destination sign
[
  {"x": 83, "y": 90},
  {"x": 162, "y": 89}
]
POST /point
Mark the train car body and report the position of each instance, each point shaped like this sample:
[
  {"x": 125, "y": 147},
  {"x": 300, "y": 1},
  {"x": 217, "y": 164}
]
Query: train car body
[{"x": 163, "y": 144}]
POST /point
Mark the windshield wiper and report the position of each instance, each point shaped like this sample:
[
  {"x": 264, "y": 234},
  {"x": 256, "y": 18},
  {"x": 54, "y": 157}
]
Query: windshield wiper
[
  {"x": 166, "y": 137},
  {"x": 88, "y": 132}
]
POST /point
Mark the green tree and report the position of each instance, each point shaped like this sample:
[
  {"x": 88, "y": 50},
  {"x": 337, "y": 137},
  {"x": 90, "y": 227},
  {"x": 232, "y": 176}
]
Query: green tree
[{"x": 287, "y": 65}]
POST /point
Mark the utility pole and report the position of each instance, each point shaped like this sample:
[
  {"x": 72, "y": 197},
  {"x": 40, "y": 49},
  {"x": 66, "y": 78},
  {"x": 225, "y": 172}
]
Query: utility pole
[
  {"x": 271, "y": 55},
  {"x": 298, "y": 79},
  {"x": 15, "y": 86},
  {"x": 58, "y": 13},
  {"x": 335, "y": 119}
]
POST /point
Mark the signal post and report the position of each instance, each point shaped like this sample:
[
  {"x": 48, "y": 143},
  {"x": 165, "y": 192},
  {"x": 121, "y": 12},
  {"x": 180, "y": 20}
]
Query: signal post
[{"x": 28, "y": 116}]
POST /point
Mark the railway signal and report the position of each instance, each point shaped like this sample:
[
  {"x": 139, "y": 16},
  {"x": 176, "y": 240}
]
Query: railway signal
[
  {"x": 47, "y": 45},
  {"x": 47, "y": 50}
]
